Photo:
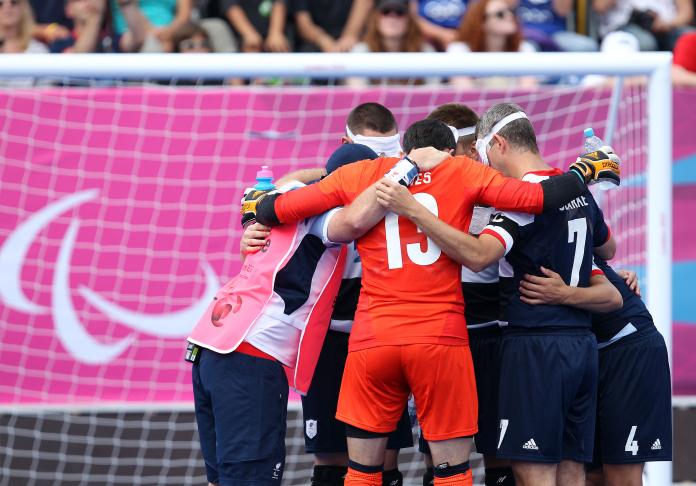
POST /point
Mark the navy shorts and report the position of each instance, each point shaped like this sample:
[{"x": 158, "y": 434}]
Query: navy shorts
[
  {"x": 634, "y": 401},
  {"x": 323, "y": 432},
  {"x": 241, "y": 405},
  {"x": 547, "y": 395},
  {"x": 485, "y": 352}
]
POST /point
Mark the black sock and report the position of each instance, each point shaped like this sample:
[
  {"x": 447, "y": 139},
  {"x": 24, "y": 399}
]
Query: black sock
[
  {"x": 328, "y": 475},
  {"x": 446, "y": 470},
  {"x": 499, "y": 476},
  {"x": 429, "y": 477},
  {"x": 392, "y": 477}
]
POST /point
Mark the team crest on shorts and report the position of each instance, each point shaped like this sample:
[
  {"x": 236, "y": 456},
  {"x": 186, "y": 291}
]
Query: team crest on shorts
[{"x": 311, "y": 428}]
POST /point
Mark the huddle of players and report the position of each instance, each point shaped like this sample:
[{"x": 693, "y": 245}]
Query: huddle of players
[{"x": 537, "y": 375}]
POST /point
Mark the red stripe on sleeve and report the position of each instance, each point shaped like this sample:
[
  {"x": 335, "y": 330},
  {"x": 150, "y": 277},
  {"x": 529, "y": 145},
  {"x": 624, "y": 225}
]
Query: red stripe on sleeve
[
  {"x": 488, "y": 231},
  {"x": 596, "y": 271}
]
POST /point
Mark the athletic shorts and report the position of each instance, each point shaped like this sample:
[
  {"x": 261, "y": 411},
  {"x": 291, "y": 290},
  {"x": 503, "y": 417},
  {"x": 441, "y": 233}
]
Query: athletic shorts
[
  {"x": 241, "y": 404},
  {"x": 323, "y": 432},
  {"x": 634, "y": 401},
  {"x": 377, "y": 382},
  {"x": 547, "y": 395},
  {"x": 485, "y": 346}
]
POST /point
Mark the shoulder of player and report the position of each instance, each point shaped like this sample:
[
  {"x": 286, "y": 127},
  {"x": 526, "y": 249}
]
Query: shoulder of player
[
  {"x": 462, "y": 163},
  {"x": 521, "y": 219}
]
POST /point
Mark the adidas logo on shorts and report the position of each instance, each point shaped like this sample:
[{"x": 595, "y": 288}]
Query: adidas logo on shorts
[
  {"x": 531, "y": 445},
  {"x": 656, "y": 445}
]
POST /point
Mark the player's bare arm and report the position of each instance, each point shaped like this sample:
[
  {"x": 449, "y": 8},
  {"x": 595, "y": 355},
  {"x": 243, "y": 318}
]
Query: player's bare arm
[
  {"x": 357, "y": 218},
  {"x": 474, "y": 253},
  {"x": 607, "y": 250},
  {"x": 304, "y": 176},
  {"x": 551, "y": 289}
]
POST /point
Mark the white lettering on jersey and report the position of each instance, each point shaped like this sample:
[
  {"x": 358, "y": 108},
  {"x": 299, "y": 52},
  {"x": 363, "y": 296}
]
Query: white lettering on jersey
[{"x": 576, "y": 203}]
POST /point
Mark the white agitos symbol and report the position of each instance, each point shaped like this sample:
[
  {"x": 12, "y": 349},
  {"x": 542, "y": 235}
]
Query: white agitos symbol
[{"x": 71, "y": 332}]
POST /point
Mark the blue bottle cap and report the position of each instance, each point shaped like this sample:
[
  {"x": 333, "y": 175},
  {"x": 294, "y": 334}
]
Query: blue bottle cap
[{"x": 588, "y": 132}]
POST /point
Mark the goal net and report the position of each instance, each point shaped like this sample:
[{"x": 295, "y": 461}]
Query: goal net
[{"x": 119, "y": 221}]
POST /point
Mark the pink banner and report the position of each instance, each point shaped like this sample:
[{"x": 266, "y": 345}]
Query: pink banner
[{"x": 120, "y": 215}]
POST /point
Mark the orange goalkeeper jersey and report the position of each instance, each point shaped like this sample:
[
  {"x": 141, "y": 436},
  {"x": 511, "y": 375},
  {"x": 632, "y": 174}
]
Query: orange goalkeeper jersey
[{"x": 410, "y": 289}]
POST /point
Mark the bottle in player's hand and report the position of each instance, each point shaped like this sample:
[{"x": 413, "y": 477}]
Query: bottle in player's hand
[
  {"x": 264, "y": 178},
  {"x": 593, "y": 144}
]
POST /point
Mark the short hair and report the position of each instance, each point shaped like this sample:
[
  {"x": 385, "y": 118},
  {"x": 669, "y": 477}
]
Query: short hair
[
  {"x": 371, "y": 116},
  {"x": 456, "y": 115},
  {"x": 186, "y": 31},
  {"x": 429, "y": 133},
  {"x": 519, "y": 133}
]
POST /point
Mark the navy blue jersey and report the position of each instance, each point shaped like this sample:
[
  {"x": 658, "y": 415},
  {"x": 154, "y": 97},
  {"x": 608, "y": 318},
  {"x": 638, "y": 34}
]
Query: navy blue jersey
[
  {"x": 609, "y": 324},
  {"x": 561, "y": 240}
]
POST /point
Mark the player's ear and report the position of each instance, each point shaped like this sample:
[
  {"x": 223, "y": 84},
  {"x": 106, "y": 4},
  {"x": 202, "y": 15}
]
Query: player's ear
[
  {"x": 502, "y": 143},
  {"x": 345, "y": 140},
  {"x": 473, "y": 153}
]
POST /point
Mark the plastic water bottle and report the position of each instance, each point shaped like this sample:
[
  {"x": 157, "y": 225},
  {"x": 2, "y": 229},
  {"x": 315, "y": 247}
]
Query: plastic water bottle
[
  {"x": 593, "y": 143},
  {"x": 264, "y": 179}
]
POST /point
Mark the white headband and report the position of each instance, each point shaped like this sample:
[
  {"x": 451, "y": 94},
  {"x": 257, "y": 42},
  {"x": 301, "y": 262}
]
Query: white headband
[
  {"x": 387, "y": 146},
  {"x": 482, "y": 143},
  {"x": 461, "y": 132}
]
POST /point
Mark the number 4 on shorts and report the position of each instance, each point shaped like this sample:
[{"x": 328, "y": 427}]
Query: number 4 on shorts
[{"x": 632, "y": 445}]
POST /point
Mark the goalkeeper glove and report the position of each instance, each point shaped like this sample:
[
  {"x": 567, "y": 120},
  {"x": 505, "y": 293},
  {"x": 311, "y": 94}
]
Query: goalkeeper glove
[
  {"x": 249, "y": 201},
  {"x": 598, "y": 166}
]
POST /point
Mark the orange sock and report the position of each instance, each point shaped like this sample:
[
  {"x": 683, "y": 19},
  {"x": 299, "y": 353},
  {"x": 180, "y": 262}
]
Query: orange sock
[
  {"x": 461, "y": 479},
  {"x": 358, "y": 478}
]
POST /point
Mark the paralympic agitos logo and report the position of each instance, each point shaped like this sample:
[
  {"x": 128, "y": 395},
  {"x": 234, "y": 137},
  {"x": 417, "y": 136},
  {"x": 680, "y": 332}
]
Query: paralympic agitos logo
[{"x": 69, "y": 329}]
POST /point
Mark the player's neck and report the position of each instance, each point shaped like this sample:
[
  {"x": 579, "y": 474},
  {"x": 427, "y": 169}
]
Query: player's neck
[{"x": 527, "y": 162}]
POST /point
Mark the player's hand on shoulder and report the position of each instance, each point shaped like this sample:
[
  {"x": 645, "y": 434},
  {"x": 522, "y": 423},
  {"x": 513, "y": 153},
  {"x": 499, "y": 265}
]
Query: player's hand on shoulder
[
  {"x": 598, "y": 166},
  {"x": 631, "y": 279},
  {"x": 427, "y": 158},
  {"x": 395, "y": 197},
  {"x": 254, "y": 238},
  {"x": 547, "y": 289}
]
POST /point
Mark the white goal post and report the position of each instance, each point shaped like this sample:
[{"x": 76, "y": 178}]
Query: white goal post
[{"x": 655, "y": 66}]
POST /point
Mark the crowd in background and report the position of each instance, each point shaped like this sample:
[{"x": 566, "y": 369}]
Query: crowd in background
[{"x": 193, "y": 26}]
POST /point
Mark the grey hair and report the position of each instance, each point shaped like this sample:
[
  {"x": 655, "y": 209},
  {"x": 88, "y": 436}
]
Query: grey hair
[{"x": 519, "y": 133}]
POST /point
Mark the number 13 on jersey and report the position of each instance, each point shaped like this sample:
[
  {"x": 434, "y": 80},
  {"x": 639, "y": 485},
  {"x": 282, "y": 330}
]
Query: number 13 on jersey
[{"x": 413, "y": 250}]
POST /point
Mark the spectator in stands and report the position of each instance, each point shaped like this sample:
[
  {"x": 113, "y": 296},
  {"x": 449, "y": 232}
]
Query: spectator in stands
[
  {"x": 148, "y": 25},
  {"x": 17, "y": 27},
  {"x": 544, "y": 24},
  {"x": 51, "y": 21},
  {"x": 259, "y": 25},
  {"x": 684, "y": 67},
  {"x": 391, "y": 27},
  {"x": 657, "y": 24},
  {"x": 491, "y": 26},
  {"x": 330, "y": 25},
  {"x": 87, "y": 17},
  {"x": 191, "y": 38},
  {"x": 439, "y": 19}
]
